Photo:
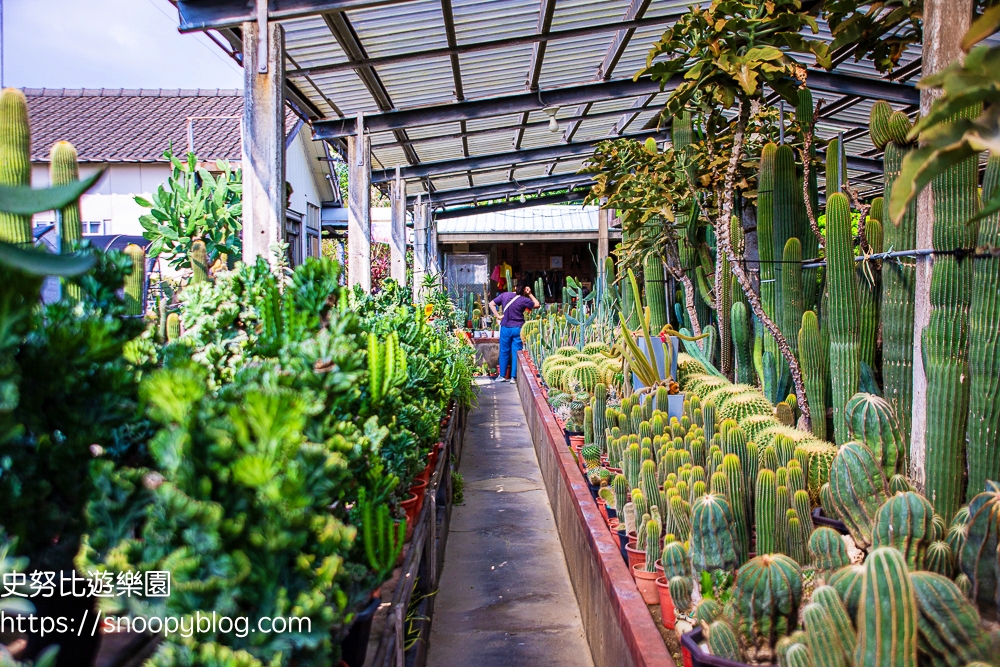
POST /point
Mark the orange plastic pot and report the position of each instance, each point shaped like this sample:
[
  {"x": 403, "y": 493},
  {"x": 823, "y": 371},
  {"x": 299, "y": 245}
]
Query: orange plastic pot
[
  {"x": 635, "y": 556},
  {"x": 409, "y": 506},
  {"x": 667, "y": 611},
  {"x": 646, "y": 583},
  {"x": 419, "y": 489}
]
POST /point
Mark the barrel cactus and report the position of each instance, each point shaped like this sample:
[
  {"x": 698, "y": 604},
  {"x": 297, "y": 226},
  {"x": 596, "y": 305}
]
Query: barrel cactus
[
  {"x": 713, "y": 535},
  {"x": 722, "y": 641},
  {"x": 905, "y": 521},
  {"x": 950, "y": 628},
  {"x": 680, "y": 593},
  {"x": 848, "y": 582},
  {"x": 978, "y": 558},
  {"x": 768, "y": 596},
  {"x": 828, "y": 598},
  {"x": 173, "y": 326},
  {"x": 827, "y": 548},
  {"x": 824, "y": 642},
  {"x": 857, "y": 488},
  {"x": 871, "y": 420},
  {"x": 888, "y": 614},
  {"x": 940, "y": 559}
]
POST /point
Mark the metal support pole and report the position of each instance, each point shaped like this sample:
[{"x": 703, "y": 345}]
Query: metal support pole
[
  {"x": 359, "y": 225},
  {"x": 397, "y": 240},
  {"x": 433, "y": 259},
  {"x": 419, "y": 247},
  {"x": 603, "y": 218},
  {"x": 945, "y": 22},
  {"x": 263, "y": 141}
]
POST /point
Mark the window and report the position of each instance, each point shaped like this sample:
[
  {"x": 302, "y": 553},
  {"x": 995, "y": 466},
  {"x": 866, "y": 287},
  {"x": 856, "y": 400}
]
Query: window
[{"x": 93, "y": 228}]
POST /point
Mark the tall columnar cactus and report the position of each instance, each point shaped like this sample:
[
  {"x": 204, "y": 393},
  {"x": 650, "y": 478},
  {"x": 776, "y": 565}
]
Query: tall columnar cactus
[
  {"x": 135, "y": 282},
  {"x": 848, "y": 582},
  {"x": 887, "y": 615},
  {"x": 786, "y": 186},
  {"x": 869, "y": 286},
  {"x": 713, "y": 536},
  {"x": 905, "y": 522},
  {"x": 810, "y": 244},
  {"x": 978, "y": 555},
  {"x": 619, "y": 485},
  {"x": 656, "y": 297},
  {"x": 768, "y": 595},
  {"x": 15, "y": 160},
  {"x": 173, "y": 327},
  {"x": 827, "y": 549},
  {"x": 870, "y": 420},
  {"x": 600, "y": 416},
  {"x": 199, "y": 262},
  {"x": 63, "y": 170},
  {"x": 984, "y": 341},
  {"x": 814, "y": 370},
  {"x": 739, "y": 503},
  {"x": 824, "y": 642},
  {"x": 858, "y": 488},
  {"x": 648, "y": 484},
  {"x": 743, "y": 344},
  {"x": 945, "y": 339},
  {"x": 845, "y": 360},
  {"x": 764, "y": 508},
  {"x": 791, "y": 293},
  {"x": 898, "y": 276},
  {"x": 840, "y": 622},
  {"x": 652, "y": 545},
  {"x": 725, "y": 304},
  {"x": 836, "y": 169},
  {"x": 765, "y": 239}
]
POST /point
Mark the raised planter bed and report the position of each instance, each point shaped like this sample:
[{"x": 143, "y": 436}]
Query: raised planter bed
[
  {"x": 423, "y": 560},
  {"x": 618, "y": 625}
]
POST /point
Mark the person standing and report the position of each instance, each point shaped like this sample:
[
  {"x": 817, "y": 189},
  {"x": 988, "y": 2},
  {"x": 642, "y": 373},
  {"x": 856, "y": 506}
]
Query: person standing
[{"x": 514, "y": 304}]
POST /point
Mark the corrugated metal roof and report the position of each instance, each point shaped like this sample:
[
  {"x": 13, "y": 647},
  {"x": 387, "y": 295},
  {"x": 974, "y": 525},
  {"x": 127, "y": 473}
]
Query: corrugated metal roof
[
  {"x": 397, "y": 28},
  {"x": 548, "y": 219}
]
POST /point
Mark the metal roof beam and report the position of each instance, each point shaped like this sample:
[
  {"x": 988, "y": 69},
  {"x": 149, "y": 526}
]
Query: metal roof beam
[
  {"x": 587, "y": 93},
  {"x": 498, "y": 190},
  {"x": 544, "y": 153},
  {"x": 488, "y": 45},
  {"x": 546, "y": 8},
  {"x": 561, "y": 198},
  {"x": 217, "y": 14},
  {"x": 489, "y": 107}
]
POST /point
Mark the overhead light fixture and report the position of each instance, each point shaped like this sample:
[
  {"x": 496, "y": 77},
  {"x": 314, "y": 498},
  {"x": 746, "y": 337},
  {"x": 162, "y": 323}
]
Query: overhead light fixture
[
  {"x": 551, "y": 113},
  {"x": 522, "y": 198}
]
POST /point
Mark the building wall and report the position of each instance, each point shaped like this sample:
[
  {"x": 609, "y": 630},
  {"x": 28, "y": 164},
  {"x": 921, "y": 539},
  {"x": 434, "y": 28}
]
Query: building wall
[{"x": 111, "y": 203}]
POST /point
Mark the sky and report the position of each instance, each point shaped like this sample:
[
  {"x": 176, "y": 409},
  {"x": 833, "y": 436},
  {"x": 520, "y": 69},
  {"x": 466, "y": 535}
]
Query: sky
[{"x": 108, "y": 44}]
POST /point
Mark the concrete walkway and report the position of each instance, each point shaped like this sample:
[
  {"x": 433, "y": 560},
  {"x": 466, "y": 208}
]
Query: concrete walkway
[{"x": 504, "y": 597}]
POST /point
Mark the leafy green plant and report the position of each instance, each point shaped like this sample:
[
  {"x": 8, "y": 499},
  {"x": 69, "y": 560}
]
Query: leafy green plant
[{"x": 194, "y": 205}]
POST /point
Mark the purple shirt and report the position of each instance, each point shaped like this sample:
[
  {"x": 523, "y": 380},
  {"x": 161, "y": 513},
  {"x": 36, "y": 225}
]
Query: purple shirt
[{"x": 513, "y": 308}]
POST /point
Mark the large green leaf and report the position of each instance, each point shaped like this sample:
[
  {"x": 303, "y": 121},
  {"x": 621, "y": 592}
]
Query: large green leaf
[
  {"x": 984, "y": 26},
  {"x": 39, "y": 263},
  {"x": 23, "y": 200}
]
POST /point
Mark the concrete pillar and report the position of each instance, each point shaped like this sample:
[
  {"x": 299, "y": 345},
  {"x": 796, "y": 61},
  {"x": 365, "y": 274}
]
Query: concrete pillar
[
  {"x": 359, "y": 221},
  {"x": 263, "y": 141},
  {"x": 945, "y": 23},
  {"x": 419, "y": 246},
  {"x": 603, "y": 218},
  {"x": 397, "y": 242}
]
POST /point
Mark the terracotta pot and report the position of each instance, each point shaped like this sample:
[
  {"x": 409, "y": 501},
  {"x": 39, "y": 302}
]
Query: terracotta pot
[
  {"x": 603, "y": 509},
  {"x": 667, "y": 612},
  {"x": 419, "y": 489},
  {"x": 409, "y": 505},
  {"x": 635, "y": 557},
  {"x": 615, "y": 471},
  {"x": 576, "y": 442},
  {"x": 432, "y": 458},
  {"x": 646, "y": 583},
  {"x": 659, "y": 566},
  {"x": 613, "y": 527}
]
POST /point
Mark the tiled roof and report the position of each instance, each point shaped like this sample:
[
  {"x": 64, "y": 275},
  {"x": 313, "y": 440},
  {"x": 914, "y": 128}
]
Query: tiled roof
[{"x": 136, "y": 125}]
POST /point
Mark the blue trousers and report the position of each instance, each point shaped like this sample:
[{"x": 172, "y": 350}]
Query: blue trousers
[{"x": 510, "y": 343}]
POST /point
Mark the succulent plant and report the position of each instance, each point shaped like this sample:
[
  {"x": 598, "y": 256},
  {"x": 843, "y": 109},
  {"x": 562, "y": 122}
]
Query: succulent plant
[
  {"x": 905, "y": 521},
  {"x": 950, "y": 627},
  {"x": 888, "y": 615},
  {"x": 827, "y": 549},
  {"x": 713, "y": 536},
  {"x": 15, "y": 160},
  {"x": 858, "y": 488},
  {"x": 680, "y": 593},
  {"x": 978, "y": 556},
  {"x": 848, "y": 582},
  {"x": 871, "y": 420},
  {"x": 844, "y": 326},
  {"x": 768, "y": 595},
  {"x": 722, "y": 641}
]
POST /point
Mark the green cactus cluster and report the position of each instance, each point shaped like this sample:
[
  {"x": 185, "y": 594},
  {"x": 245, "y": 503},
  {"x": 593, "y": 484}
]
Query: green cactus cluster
[{"x": 15, "y": 161}]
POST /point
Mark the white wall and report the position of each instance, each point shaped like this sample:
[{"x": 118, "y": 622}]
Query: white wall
[{"x": 112, "y": 200}]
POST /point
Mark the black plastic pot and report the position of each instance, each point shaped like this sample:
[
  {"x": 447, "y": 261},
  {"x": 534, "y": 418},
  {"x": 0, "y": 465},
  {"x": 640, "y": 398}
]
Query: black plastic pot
[
  {"x": 354, "y": 648},
  {"x": 821, "y": 519},
  {"x": 612, "y": 513},
  {"x": 694, "y": 656},
  {"x": 623, "y": 542}
]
